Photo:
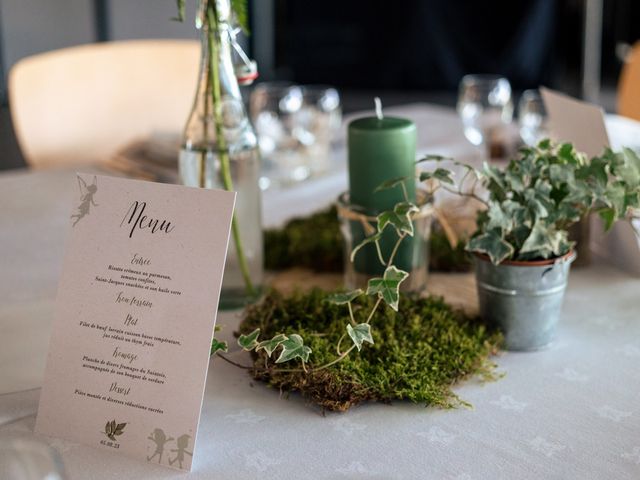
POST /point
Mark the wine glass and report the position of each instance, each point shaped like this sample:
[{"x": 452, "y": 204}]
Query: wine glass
[
  {"x": 532, "y": 118},
  {"x": 295, "y": 126},
  {"x": 25, "y": 458},
  {"x": 486, "y": 110}
]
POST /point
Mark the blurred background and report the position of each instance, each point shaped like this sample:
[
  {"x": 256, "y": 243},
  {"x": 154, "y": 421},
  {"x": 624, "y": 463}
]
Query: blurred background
[{"x": 408, "y": 51}]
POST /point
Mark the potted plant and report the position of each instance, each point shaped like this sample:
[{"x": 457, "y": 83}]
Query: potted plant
[{"x": 521, "y": 247}]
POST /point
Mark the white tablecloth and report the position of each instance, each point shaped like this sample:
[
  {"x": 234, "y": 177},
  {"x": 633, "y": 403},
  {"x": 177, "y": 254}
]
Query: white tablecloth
[{"x": 571, "y": 411}]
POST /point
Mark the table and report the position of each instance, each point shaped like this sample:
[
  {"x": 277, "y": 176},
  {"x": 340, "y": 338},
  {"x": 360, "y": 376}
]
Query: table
[{"x": 567, "y": 412}]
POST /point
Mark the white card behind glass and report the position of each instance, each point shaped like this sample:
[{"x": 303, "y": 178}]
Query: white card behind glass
[{"x": 575, "y": 121}]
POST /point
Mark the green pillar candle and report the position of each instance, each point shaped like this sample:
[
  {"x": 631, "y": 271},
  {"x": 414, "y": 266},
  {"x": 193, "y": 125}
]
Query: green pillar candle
[{"x": 380, "y": 149}]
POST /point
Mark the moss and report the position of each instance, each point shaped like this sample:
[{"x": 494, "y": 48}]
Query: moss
[
  {"x": 418, "y": 355},
  {"x": 315, "y": 243}
]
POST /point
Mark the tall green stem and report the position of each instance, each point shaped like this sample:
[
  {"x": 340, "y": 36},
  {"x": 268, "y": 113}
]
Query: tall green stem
[{"x": 225, "y": 164}]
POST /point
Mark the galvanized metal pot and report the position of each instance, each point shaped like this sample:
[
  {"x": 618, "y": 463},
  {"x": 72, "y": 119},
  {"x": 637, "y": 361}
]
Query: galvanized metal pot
[{"x": 523, "y": 298}]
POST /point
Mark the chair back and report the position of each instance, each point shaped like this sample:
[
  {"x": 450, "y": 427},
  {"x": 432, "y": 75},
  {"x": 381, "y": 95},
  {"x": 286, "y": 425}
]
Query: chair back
[
  {"x": 81, "y": 104},
  {"x": 629, "y": 85}
]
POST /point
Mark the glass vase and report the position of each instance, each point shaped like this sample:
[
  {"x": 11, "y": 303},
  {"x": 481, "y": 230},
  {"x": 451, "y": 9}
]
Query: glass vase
[{"x": 219, "y": 150}]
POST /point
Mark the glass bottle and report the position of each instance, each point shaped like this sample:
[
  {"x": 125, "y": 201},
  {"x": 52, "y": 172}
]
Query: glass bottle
[{"x": 213, "y": 137}]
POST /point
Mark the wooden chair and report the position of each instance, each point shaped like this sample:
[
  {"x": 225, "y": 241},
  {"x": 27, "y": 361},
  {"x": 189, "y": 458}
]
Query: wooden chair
[
  {"x": 81, "y": 104},
  {"x": 629, "y": 85}
]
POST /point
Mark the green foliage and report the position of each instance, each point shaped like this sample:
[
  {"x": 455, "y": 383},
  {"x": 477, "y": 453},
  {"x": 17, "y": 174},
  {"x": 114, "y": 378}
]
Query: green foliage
[
  {"x": 546, "y": 189},
  {"x": 359, "y": 334},
  {"x": 240, "y": 11},
  {"x": 441, "y": 174},
  {"x": 314, "y": 242},
  {"x": 250, "y": 341},
  {"x": 342, "y": 298},
  {"x": 218, "y": 346},
  {"x": 375, "y": 238},
  {"x": 293, "y": 347},
  {"x": 269, "y": 346},
  {"x": 418, "y": 353},
  {"x": 399, "y": 218},
  {"x": 387, "y": 288}
]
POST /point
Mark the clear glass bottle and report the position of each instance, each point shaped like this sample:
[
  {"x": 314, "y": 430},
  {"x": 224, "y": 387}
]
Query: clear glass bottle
[{"x": 212, "y": 138}]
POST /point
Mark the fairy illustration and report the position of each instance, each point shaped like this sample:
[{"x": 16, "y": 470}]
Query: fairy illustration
[
  {"x": 182, "y": 443},
  {"x": 160, "y": 439},
  {"x": 86, "y": 196}
]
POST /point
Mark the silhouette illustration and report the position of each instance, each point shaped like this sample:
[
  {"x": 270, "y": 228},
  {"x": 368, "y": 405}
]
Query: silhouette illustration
[
  {"x": 86, "y": 198},
  {"x": 182, "y": 443},
  {"x": 160, "y": 439}
]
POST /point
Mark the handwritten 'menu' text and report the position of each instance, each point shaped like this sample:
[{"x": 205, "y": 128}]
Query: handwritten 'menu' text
[{"x": 136, "y": 218}]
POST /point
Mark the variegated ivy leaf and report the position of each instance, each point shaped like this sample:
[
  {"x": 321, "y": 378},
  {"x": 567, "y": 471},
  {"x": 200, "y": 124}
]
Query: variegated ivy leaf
[
  {"x": 433, "y": 158},
  {"x": 370, "y": 239},
  {"x": 270, "y": 345},
  {"x": 293, "y": 347},
  {"x": 387, "y": 288},
  {"x": 491, "y": 244},
  {"x": 342, "y": 298},
  {"x": 250, "y": 341},
  {"x": 394, "y": 182},
  {"x": 218, "y": 346},
  {"x": 399, "y": 217},
  {"x": 441, "y": 174},
  {"x": 359, "y": 334}
]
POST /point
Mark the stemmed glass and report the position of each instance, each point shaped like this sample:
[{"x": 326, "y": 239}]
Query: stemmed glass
[
  {"x": 532, "y": 117},
  {"x": 295, "y": 127},
  {"x": 486, "y": 110}
]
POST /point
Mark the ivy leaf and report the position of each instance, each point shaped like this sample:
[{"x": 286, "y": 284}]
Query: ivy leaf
[
  {"x": 394, "y": 182},
  {"x": 249, "y": 342},
  {"x": 433, "y": 158},
  {"x": 399, "y": 217},
  {"x": 360, "y": 333},
  {"x": 544, "y": 240},
  {"x": 270, "y": 345},
  {"x": 293, "y": 347},
  {"x": 218, "y": 346},
  {"x": 491, "y": 244},
  {"x": 441, "y": 174},
  {"x": 498, "y": 218},
  {"x": 370, "y": 239},
  {"x": 387, "y": 288},
  {"x": 343, "y": 297}
]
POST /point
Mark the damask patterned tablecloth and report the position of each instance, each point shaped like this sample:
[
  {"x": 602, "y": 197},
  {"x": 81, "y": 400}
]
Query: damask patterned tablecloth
[{"x": 571, "y": 411}]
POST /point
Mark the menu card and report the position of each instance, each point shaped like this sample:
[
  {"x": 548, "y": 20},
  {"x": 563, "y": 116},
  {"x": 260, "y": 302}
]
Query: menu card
[{"x": 134, "y": 318}]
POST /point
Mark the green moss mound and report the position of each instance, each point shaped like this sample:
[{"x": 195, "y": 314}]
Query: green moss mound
[
  {"x": 418, "y": 355},
  {"x": 314, "y": 242}
]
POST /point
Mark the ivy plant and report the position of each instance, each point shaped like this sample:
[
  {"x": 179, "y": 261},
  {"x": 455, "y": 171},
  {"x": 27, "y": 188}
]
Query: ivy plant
[
  {"x": 532, "y": 201},
  {"x": 384, "y": 290}
]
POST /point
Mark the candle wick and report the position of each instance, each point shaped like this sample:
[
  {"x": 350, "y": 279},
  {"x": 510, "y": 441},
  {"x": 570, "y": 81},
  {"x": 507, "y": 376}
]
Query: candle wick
[{"x": 378, "y": 104}]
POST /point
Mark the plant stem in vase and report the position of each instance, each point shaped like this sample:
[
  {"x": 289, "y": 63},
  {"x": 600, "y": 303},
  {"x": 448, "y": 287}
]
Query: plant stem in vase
[{"x": 220, "y": 151}]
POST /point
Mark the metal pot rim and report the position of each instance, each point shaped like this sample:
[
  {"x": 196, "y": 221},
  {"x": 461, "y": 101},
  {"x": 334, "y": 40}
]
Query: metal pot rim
[{"x": 568, "y": 257}]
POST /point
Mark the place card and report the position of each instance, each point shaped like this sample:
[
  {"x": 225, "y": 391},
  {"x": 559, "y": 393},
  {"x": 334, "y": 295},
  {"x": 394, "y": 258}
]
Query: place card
[
  {"x": 575, "y": 121},
  {"x": 134, "y": 317}
]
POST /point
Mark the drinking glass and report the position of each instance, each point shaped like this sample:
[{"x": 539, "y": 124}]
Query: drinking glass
[
  {"x": 295, "y": 127},
  {"x": 486, "y": 110},
  {"x": 24, "y": 458},
  {"x": 532, "y": 118}
]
